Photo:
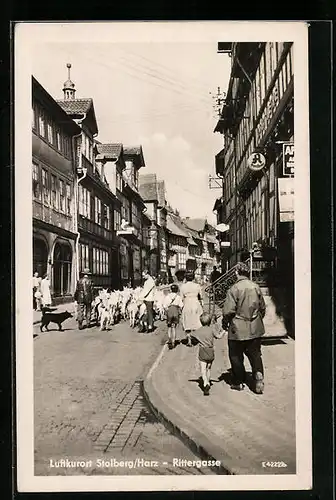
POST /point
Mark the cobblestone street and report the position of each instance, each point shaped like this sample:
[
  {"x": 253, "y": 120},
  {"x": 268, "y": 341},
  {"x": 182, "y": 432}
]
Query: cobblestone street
[{"x": 89, "y": 405}]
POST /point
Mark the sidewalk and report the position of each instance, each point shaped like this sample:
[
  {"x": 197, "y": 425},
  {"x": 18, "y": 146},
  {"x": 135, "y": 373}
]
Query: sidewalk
[
  {"x": 70, "y": 306},
  {"x": 241, "y": 429}
]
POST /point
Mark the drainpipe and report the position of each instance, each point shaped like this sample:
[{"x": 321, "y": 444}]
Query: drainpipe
[{"x": 77, "y": 181}]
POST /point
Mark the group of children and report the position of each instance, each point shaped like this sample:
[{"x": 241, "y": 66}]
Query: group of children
[{"x": 204, "y": 336}]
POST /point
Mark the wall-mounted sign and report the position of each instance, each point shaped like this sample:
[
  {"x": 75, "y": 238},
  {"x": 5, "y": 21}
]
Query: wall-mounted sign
[
  {"x": 256, "y": 161},
  {"x": 288, "y": 158},
  {"x": 286, "y": 198}
]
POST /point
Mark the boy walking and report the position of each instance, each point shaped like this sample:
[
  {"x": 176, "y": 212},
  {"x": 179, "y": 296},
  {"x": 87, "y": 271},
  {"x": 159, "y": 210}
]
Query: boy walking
[
  {"x": 206, "y": 353},
  {"x": 173, "y": 305}
]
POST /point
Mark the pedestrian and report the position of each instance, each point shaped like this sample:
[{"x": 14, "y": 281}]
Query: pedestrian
[
  {"x": 147, "y": 295},
  {"x": 36, "y": 288},
  {"x": 204, "y": 337},
  {"x": 173, "y": 305},
  {"x": 45, "y": 291},
  {"x": 243, "y": 312},
  {"x": 192, "y": 305},
  {"x": 215, "y": 274},
  {"x": 84, "y": 296}
]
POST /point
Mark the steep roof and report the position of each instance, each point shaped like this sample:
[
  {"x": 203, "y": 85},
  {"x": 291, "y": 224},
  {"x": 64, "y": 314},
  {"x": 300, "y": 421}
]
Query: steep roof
[
  {"x": 148, "y": 187},
  {"x": 148, "y": 192},
  {"x": 41, "y": 94},
  {"x": 112, "y": 151},
  {"x": 195, "y": 224},
  {"x": 174, "y": 226},
  {"x": 75, "y": 107}
]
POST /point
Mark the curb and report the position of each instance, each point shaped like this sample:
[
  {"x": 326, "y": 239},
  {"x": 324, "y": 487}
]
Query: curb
[{"x": 195, "y": 440}]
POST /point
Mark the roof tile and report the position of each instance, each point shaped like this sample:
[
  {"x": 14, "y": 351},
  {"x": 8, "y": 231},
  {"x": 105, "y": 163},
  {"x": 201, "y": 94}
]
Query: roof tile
[
  {"x": 73, "y": 106},
  {"x": 110, "y": 150}
]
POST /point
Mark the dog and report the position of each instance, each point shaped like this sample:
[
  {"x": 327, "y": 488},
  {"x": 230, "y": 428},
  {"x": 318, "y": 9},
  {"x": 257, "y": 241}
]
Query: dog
[{"x": 57, "y": 318}]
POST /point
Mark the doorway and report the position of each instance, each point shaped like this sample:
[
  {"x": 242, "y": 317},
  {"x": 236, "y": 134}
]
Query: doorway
[
  {"x": 40, "y": 256},
  {"x": 62, "y": 269}
]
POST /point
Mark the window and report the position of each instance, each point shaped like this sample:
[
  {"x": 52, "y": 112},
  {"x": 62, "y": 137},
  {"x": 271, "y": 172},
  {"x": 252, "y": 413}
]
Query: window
[
  {"x": 36, "y": 181},
  {"x": 45, "y": 186},
  {"x": 34, "y": 117},
  {"x": 117, "y": 220},
  {"x": 58, "y": 140},
  {"x": 98, "y": 210},
  {"x": 62, "y": 196},
  {"x": 106, "y": 215},
  {"x": 100, "y": 261},
  {"x": 181, "y": 259},
  {"x": 66, "y": 146},
  {"x": 84, "y": 202},
  {"x": 68, "y": 199},
  {"x": 262, "y": 78},
  {"x": 83, "y": 256},
  {"x": 53, "y": 190},
  {"x": 50, "y": 133},
  {"x": 87, "y": 148},
  {"x": 41, "y": 124},
  {"x": 119, "y": 181}
]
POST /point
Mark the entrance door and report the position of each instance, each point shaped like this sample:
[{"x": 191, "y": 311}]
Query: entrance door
[
  {"x": 40, "y": 256},
  {"x": 62, "y": 269}
]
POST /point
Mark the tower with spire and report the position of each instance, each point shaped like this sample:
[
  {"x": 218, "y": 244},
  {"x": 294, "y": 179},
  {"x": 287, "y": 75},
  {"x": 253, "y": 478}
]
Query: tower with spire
[{"x": 69, "y": 87}]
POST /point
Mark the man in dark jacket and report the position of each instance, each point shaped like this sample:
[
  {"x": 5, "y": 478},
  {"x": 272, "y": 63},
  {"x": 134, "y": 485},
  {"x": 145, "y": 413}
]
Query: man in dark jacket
[
  {"x": 243, "y": 312},
  {"x": 215, "y": 274},
  {"x": 84, "y": 296}
]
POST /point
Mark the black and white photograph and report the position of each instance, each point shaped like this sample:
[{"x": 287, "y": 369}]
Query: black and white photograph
[{"x": 162, "y": 256}]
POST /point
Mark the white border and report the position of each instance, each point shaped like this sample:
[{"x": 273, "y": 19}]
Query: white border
[{"x": 25, "y": 36}]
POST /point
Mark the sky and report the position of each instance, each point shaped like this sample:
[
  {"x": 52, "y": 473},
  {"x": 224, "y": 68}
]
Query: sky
[{"x": 156, "y": 94}]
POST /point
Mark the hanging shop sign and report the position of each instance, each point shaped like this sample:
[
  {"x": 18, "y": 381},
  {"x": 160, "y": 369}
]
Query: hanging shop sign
[
  {"x": 288, "y": 159},
  {"x": 256, "y": 161},
  {"x": 286, "y": 198}
]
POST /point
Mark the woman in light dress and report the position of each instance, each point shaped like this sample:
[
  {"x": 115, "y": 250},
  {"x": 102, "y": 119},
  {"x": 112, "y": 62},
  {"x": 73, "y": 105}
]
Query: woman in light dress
[
  {"x": 45, "y": 291},
  {"x": 192, "y": 306}
]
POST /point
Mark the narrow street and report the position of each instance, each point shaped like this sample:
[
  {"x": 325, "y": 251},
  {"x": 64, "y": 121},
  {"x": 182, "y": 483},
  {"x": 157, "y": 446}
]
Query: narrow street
[{"x": 89, "y": 405}]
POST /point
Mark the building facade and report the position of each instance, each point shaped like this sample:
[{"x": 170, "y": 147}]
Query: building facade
[
  {"x": 206, "y": 250},
  {"x": 121, "y": 167},
  {"x": 153, "y": 194},
  {"x": 95, "y": 202},
  {"x": 54, "y": 137},
  {"x": 257, "y": 123}
]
